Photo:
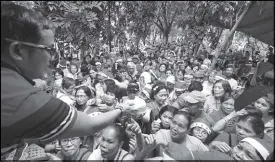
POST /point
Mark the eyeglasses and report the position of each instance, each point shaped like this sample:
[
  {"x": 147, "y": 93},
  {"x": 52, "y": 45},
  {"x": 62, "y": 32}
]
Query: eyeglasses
[
  {"x": 73, "y": 141},
  {"x": 51, "y": 50}
]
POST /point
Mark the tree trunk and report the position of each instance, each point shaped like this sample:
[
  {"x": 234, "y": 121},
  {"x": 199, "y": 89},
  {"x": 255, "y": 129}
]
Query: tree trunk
[
  {"x": 217, "y": 51},
  {"x": 165, "y": 37},
  {"x": 229, "y": 43},
  {"x": 215, "y": 42},
  {"x": 109, "y": 23}
]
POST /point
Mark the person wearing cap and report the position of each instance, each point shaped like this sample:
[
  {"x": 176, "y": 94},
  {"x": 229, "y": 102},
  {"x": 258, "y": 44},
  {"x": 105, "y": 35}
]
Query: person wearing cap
[
  {"x": 201, "y": 129},
  {"x": 145, "y": 93},
  {"x": 193, "y": 103},
  {"x": 98, "y": 66},
  {"x": 266, "y": 106},
  {"x": 199, "y": 76},
  {"x": 252, "y": 149}
]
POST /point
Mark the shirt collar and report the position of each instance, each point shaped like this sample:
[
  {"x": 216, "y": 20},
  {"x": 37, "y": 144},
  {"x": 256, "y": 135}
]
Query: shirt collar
[{"x": 5, "y": 65}]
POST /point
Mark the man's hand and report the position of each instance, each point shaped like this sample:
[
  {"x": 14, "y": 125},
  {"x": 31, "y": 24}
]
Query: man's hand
[
  {"x": 52, "y": 157},
  {"x": 155, "y": 126},
  {"x": 221, "y": 146},
  {"x": 133, "y": 126},
  {"x": 150, "y": 141}
]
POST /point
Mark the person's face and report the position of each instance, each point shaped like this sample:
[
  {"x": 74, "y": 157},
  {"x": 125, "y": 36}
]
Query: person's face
[
  {"x": 109, "y": 62},
  {"x": 182, "y": 66},
  {"x": 166, "y": 119},
  {"x": 92, "y": 74},
  {"x": 178, "y": 127},
  {"x": 100, "y": 79},
  {"x": 228, "y": 72},
  {"x": 188, "y": 78},
  {"x": 196, "y": 62},
  {"x": 131, "y": 95},
  {"x": 195, "y": 69},
  {"x": 262, "y": 105},
  {"x": 135, "y": 60},
  {"x": 81, "y": 97},
  {"x": 161, "y": 96},
  {"x": 193, "y": 108},
  {"x": 109, "y": 144},
  {"x": 200, "y": 133},
  {"x": 147, "y": 67},
  {"x": 144, "y": 97},
  {"x": 79, "y": 76},
  {"x": 123, "y": 75},
  {"x": 191, "y": 60},
  {"x": 228, "y": 106},
  {"x": 162, "y": 68},
  {"x": 180, "y": 76},
  {"x": 168, "y": 73},
  {"x": 35, "y": 64},
  {"x": 170, "y": 86},
  {"x": 245, "y": 151},
  {"x": 88, "y": 59},
  {"x": 110, "y": 98},
  {"x": 211, "y": 78},
  {"x": 71, "y": 89},
  {"x": 73, "y": 69},
  {"x": 131, "y": 69},
  {"x": 243, "y": 130},
  {"x": 218, "y": 90},
  {"x": 70, "y": 146},
  {"x": 98, "y": 66},
  {"x": 57, "y": 76}
]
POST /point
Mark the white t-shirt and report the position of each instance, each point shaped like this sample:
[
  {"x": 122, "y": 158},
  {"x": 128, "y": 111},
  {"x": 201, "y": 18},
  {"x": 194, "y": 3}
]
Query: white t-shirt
[
  {"x": 63, "y": 97},
  {"x": 192, "y": 143},
  {"x": 121, "y": 155},
  {"x": 233, "y": 83}
]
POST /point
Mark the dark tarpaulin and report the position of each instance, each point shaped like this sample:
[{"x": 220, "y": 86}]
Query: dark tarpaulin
[{"x": 257, "y": 22}]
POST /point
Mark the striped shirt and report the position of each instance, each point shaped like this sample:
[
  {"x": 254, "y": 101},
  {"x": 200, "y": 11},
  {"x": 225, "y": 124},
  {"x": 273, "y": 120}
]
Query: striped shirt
[{"x": 30, "y": 113}]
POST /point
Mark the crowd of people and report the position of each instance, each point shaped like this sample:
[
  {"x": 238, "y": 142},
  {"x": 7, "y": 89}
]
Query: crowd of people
[{"x": 154, "y": 105}]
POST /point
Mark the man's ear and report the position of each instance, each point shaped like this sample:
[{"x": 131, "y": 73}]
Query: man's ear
[{"x": 15, "y": 51}]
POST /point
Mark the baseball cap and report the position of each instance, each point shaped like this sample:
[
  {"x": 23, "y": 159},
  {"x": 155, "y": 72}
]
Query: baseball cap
[{"x": 195, "y": 97}]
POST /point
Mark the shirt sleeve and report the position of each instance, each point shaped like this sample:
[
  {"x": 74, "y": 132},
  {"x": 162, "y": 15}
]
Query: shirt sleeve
[{"x": 46, "y": 124}]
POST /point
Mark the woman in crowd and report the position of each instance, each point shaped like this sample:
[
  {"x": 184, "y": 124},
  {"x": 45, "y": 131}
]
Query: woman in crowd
[
  {"x": 266, "y": 105},
  {"x": 180, "y": 75},
  {"x": 72, "y": 73},
  {"x": 208, "y": 84},
  {"x": 83, "y": 95},
  {"x": 221, "y": 90},
  {"x": 71, "y": 149},
  {"x": 161, "y": 72},
  {"x": 226, "y": 108},
  {"x": 248, "y": 125},
  {"x": 110, "y": 145},
  {"x": 163, "y": 122},
  {"x": 158, "y": 96},
  {"x": 178, "y": 133},
  {"x": 169, "y": 72}
]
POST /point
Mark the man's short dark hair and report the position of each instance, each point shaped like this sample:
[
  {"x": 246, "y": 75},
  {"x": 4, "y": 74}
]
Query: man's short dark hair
[{"x": 22, "y": 24}]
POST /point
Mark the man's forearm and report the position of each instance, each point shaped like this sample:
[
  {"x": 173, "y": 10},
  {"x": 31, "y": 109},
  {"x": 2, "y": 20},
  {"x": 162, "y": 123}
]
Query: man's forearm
[{"x": 86, "y": 125}]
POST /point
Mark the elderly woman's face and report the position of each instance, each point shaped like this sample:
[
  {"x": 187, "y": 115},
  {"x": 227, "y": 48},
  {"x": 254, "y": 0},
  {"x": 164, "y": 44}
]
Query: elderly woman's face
[
  {"x": 131, "y": 69},
  {"x": 70, "y": 146},
  {"x": 245, "y": 151},
  {"x": 109, "y": 144},
  {"x": 228, "y": 106},
  {"x": 161, "y": 96}
]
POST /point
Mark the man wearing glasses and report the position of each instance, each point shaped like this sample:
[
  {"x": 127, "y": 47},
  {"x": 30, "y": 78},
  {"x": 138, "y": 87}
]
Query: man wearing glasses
[{"x": 26, "y": 111}]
